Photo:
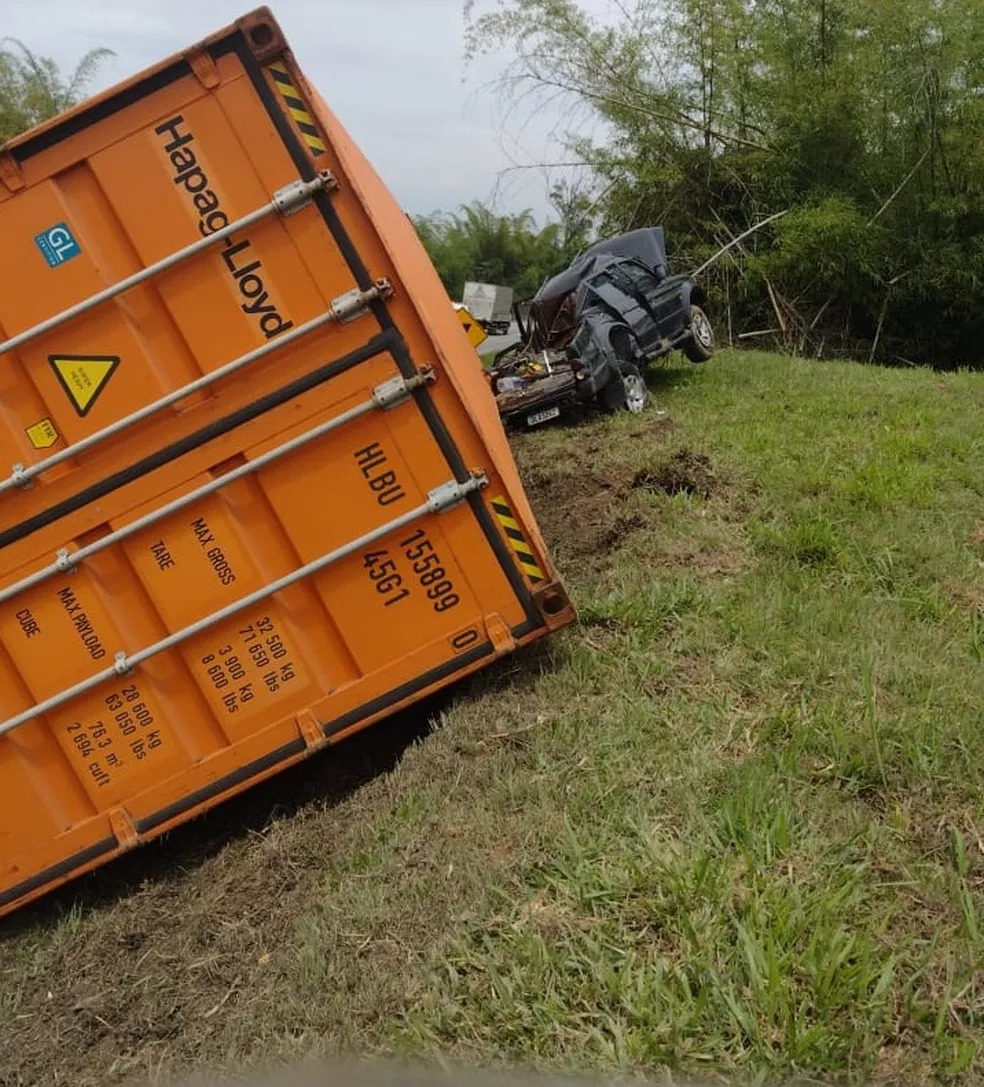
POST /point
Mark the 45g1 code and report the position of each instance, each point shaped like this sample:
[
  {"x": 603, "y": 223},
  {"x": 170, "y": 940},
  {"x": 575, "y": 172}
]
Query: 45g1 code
[
  {"x": 383, "y": 574},
  {"x": 430, "y": 573}
]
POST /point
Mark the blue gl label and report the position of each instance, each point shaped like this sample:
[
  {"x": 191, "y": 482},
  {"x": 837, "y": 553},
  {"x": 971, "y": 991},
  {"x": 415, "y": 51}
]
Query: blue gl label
[{"x": 57, "y": 244}]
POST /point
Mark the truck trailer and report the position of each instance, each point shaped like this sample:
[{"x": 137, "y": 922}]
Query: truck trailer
[{"x": 491, "y": 306}]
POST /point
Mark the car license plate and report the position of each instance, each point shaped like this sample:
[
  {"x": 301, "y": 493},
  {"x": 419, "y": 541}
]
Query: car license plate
[{"x": 542, "y": 416}]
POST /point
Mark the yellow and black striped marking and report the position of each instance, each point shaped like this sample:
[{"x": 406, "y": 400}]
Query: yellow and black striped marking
[
  {"x": 523, "y": 550},
  {"x": 296, "y": 108}
]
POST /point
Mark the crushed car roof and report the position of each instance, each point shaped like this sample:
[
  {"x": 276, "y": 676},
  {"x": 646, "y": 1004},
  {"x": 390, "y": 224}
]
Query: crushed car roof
[{"x": 646, "y": 245}]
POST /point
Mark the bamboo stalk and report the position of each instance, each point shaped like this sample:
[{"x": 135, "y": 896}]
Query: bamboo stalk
[
  {"x": 878, "y": 330},
  {"x": 775, "y": 305},
  {"x": 761, "y": 332},
  {"x": 736, "y": 241}
]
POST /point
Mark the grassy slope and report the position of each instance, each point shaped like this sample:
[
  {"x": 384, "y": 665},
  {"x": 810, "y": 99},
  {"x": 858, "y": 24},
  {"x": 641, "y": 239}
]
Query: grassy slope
[{"x": 731, "y": 821}]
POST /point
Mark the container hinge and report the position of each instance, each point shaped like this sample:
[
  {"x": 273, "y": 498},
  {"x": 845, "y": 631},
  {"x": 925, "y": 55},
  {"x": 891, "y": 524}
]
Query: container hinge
[
  {"x": 123, "y": 829},
  {"x": 346, "y": 307},
  {"x": 398, "y": 389},
  {"x": 10, "y": 173},
  {"x": 298, "y": 194},
  {"x": 499, "y": 634},
  {"x": 204, "y": 68},
  {"x": 311, "y": 731},
  {"x": 453, "y": 493}
]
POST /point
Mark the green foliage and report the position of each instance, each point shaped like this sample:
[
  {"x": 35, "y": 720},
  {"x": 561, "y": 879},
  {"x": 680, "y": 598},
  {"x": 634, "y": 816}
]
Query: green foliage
[
  {"x": 829, "y": 249},
  {"x": 32, "y": 89},
  {"x": 865, "y": 120},
  {"x": 476, "y": 244}
]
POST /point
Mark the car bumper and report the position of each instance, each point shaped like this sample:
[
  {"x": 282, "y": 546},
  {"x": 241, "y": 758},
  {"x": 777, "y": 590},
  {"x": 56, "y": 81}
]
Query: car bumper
[{"x": 516, "y": 409}]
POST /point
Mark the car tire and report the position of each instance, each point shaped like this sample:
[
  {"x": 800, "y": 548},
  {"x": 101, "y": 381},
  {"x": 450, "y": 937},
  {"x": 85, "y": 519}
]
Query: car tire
[
  {"x": 626, "y": 392},
  {"x": 700, "y": 346}
]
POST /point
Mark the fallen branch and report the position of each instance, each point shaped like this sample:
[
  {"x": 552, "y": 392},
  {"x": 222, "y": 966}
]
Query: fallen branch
[
  {"x": 878, "y": 330},
  {"x": 735, "y": 241},
  {"x": 775, "y": 305},
  {"x": 820, "y": 312},
  {"x": 727, "y": 296},
  {"x": 905, "y": 181}
]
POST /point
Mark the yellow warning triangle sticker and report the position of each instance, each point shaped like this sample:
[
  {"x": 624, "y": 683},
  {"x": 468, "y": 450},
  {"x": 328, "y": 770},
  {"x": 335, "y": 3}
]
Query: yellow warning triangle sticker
[{"x": 83, "y": 377}]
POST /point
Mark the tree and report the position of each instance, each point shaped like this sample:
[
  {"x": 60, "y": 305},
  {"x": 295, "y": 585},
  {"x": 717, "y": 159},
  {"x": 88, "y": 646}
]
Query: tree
[
  {"x": 474, "y": 243},
  {"x": 576, "y": 213},
  {"x": 863, "y": 120},
  {"x": 32, "y": 89}
]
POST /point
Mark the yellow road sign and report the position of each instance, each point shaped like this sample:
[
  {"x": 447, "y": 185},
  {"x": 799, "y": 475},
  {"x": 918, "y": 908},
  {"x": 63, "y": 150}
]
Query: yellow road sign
[
  {"x": 473, "y": 330},
  {"x": 83, "y": 377}
]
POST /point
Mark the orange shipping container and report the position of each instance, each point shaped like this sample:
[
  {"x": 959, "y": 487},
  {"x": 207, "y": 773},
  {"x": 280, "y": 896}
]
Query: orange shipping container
[{"x": 255, "y": 493}]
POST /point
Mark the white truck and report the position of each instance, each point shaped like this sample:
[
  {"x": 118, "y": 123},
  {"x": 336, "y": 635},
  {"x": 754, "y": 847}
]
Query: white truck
[{"x": 490, "y": 305}]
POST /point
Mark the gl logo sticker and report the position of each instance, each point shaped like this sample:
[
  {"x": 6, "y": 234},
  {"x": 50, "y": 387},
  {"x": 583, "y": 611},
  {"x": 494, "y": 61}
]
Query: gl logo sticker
[{"x": 57, "y": 245}]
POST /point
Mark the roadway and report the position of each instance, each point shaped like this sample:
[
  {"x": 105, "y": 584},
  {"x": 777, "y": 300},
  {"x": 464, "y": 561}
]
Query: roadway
[{"x": 495, "y": 344}]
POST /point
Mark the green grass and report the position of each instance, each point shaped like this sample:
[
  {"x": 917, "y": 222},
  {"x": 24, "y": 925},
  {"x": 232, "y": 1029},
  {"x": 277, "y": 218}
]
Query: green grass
[{"x": 731, "y": 822}]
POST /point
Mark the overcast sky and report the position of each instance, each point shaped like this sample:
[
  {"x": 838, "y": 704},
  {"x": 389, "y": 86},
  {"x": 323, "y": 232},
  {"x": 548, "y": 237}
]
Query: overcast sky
[{"x": 392, "y": 70}]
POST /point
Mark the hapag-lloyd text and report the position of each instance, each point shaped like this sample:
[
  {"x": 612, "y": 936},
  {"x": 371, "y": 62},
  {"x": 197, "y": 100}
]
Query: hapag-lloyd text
[{"x": 247, "y": 274}]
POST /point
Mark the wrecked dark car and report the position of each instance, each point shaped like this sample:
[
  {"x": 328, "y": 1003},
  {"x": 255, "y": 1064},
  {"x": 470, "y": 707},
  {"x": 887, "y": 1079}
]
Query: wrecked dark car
[{"x": 590, "y": 332}]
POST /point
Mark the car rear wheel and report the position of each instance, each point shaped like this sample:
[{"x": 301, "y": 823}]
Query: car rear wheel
[
  {"x": 700, "y": 346},
  {"x": 626, "y": 392}
]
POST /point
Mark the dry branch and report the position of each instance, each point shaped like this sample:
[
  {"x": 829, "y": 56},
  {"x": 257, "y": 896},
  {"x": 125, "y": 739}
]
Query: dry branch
[{"x": 735, "y": 241}]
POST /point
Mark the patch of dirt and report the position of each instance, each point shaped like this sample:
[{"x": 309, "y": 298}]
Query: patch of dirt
[
  {"x": 686, "y": 472},
  {"x": 548, "y": 917},
  {"x": 966, "y": 597},
  {"x": 662, "y": 423},
  {"x": 580, "y": 511},
  {"x": 721, "y": 559},
  {"x": 934, "y": 832},
  {"x": 582, "y": 502},
  {"x": 901, "y": 1064},
  {"x": 621, "y": 529},
  {"x": 602, "y": 634}
]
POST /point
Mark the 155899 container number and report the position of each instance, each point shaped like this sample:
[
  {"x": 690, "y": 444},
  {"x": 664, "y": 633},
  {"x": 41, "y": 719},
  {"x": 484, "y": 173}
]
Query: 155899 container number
[{"x": 430, "y": 573}]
